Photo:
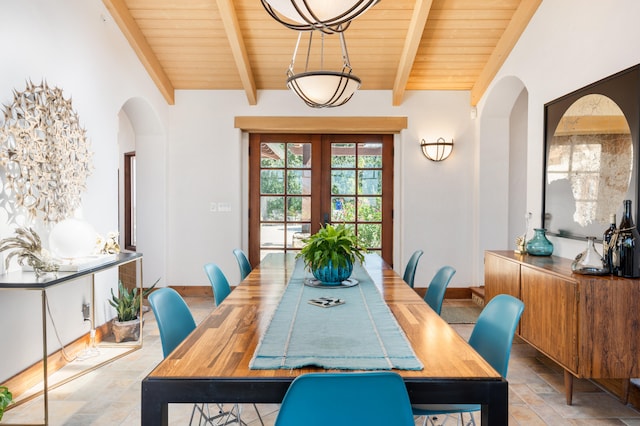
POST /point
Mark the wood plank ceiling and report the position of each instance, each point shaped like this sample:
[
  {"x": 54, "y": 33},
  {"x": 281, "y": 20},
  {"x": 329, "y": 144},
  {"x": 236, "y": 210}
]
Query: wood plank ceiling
[{"x": 397, "y": 45}]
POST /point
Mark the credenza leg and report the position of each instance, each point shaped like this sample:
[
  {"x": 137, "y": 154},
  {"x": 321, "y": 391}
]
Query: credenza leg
[
  {"x": 568, "y": 386},
  {"x": 626, "y": 388}
]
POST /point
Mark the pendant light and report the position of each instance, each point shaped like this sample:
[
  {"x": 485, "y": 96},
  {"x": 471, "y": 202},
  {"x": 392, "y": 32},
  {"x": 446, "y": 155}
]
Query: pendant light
[
  {"x": 329, "y": 16},
  {"x": 322, "y": 88}
]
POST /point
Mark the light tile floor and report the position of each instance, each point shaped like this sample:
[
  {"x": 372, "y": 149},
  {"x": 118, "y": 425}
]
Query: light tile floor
[{"x": 111, "y": 395}]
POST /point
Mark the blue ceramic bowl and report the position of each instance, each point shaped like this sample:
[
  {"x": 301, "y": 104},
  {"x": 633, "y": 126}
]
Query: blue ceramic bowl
[{"x": 333, "y": 276}]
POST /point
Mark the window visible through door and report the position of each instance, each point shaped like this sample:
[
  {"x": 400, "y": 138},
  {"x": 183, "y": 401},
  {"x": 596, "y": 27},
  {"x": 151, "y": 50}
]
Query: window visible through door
[
  {"x": 300, "y": 181},
  {"x": 130, "y": 201}
]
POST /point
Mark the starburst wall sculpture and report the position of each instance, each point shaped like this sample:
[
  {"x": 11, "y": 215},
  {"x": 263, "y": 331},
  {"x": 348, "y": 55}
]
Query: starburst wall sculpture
[{"x": 44, "y": 152}]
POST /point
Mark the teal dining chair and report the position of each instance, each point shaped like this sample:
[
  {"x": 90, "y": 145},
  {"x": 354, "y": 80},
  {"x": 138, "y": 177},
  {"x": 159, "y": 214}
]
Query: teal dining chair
[
  {"x": 243, "y": 263},
  {"x": 410, "y": 269},
  {"x": 437, "y": 288},
  {"x": 368, "y": 398},
  {"x": 175, "y": 323},
  {"x": 221, "y": 289},
  {"x": 173, "y": 316},
  {"x": 219, "y": 282},
  {"x": 492, "y": 338}
]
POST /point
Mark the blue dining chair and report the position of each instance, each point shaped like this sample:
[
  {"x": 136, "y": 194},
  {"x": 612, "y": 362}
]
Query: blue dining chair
[
  {"x": 243, "y": 263},
  {"x": 492, "y": 337},
  {"x": 221, "y": 289},
  {"x": 438, "y": 286},
  {"x": 219, "y": 283},
  {"x": 175, "y": 323},
  {"x": 369, "y": 398},
  {"x": 410, "y": 269},
  {"x": 173, "y": 316}
]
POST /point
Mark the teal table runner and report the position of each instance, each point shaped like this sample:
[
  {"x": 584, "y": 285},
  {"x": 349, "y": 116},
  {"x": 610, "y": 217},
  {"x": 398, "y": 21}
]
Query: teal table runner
[{"x": 361, "y": 334}]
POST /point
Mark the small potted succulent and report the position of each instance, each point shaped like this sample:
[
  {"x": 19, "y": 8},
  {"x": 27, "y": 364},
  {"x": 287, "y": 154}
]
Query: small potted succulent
[
  {"x": 331, "y": 252},
  {"x": 5, "y": 399},
  {"x": 126, "y": 326}
]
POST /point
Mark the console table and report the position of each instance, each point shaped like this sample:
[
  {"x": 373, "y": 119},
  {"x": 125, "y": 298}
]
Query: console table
[
  {"x": 22, "y": 280},
  {"x": 589, "y": 325}
]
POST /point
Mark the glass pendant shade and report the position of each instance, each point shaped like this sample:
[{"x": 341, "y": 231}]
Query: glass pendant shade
[
  {"x": 322, "y": 88},
  {"x": 329, "y": 16},
  {"x": 72, "y": 238},
  {"x": 437, "y": 151}
]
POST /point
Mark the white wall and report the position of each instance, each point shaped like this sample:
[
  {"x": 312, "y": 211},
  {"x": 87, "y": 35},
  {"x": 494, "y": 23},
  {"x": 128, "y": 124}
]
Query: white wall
[
  {"x": 207, "y": 163},
  {"x": 76, "y": 46},
  {"x": 567, "y": 45}
]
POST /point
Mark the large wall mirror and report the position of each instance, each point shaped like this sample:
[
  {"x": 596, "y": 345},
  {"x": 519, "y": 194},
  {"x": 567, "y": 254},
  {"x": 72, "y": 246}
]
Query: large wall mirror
[{"x": 591, "y": 156}]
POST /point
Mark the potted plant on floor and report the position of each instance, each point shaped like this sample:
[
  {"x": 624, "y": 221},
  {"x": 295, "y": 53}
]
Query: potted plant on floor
[
  {"x": 126, "y": 325},
  {"x": 331, "y": 252},
  {"x": 5, "y": 399}
]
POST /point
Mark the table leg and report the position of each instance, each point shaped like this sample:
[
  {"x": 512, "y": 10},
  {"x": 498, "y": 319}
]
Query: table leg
[
  {"x": 153, "y": 411},
  {"x": 492, "y": 395},
  {"x": 626, "y": 388},
  {"x": 45, "y": 372},
  {"x": 497, "y": 411}
]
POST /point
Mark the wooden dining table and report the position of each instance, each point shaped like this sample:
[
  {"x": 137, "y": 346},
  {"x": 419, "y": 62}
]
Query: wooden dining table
[{"x": 212, "y": 363}]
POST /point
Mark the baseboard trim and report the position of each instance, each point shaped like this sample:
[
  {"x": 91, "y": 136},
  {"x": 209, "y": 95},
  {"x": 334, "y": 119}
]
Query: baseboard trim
[
  {"x": 31, "y": 376},
  {"x": 193, "y": 290}
]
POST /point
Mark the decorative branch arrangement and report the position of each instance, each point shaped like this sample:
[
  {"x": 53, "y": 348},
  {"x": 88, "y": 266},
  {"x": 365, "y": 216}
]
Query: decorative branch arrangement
[
  {"x": 44, "y": 152},
  {"x": 27, "y": 247}
]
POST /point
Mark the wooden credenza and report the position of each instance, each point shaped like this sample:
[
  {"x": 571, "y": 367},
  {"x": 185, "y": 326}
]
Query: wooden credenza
[{"x": 589, "y": 325}]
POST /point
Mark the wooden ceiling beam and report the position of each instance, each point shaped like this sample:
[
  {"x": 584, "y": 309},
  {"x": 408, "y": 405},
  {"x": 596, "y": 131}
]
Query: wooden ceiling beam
[
  {"x": 234, "y": 35},
  {"x": 120, "y": 13},
  {"x": 512, "y": 33},
  {"x": 410, "y": 48}
]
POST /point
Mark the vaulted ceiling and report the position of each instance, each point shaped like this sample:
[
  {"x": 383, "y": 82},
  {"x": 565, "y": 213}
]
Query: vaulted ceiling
[{"x": 397, "y": 45}]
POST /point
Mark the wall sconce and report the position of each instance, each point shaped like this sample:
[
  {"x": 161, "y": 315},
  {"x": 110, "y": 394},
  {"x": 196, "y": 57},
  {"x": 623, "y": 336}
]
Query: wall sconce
[{"x": 438, "y": 150}]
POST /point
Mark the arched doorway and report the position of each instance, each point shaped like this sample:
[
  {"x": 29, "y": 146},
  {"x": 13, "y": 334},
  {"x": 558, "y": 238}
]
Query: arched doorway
[
  {"x": 502, "y": 167},
  {"x": 141, "y": 132}
]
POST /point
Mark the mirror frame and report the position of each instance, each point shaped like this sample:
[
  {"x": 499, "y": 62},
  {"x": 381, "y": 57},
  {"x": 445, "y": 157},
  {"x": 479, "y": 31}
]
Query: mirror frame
[{"x": 624, "y": 89}]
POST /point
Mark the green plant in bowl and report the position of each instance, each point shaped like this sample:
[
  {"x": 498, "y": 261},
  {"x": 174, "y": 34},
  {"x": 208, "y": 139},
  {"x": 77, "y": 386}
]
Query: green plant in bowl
[
  {"x": 127, "y": 303},
  {"x": 126, "y": 325},
  {"x": 331, "y": 247}
]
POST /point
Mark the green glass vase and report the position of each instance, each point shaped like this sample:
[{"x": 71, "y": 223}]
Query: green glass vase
[{"x": 539, "y": 245}]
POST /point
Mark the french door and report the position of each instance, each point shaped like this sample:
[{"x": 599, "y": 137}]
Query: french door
[{"x": 300, "y": 181}]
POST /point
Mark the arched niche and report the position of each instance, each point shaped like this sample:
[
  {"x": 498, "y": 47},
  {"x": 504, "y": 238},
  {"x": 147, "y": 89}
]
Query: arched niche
[
  {"x": 501, "y": 167},
  {"x": 142, "y": 131}
]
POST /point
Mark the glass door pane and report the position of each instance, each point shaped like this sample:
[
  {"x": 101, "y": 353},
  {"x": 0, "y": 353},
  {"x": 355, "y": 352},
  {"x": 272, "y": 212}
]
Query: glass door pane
[
  {"x": 285, "y": 195},
  {"x": 356, "y": 188}
]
